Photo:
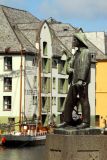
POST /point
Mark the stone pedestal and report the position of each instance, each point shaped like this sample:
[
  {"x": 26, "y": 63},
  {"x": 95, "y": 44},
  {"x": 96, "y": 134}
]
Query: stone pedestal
[{"x": 76, "y": 146}]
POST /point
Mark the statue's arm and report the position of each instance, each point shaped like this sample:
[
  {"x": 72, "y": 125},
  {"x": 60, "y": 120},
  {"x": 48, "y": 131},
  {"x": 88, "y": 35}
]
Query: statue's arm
[
  {"x": 85, "y": 64},
  {"x": 70, "y": 67}
]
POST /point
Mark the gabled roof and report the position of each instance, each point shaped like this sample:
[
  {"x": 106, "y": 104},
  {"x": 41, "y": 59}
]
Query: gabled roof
[
  {"x": 26, "y": 22},
  {"x": 64, "y": 34},
  {"x": 10, "y": 35},
  {"x": 57, "y": 46},
  {"x": 30, "y": 30},
  {"x": 62, "y": 30},
  {"x": 18, "y": 16},
  {"x": 25, "y": 43},
  {"x": 7, "y": 37}
]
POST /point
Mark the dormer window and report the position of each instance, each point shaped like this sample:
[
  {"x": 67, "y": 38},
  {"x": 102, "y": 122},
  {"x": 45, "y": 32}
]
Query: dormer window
[
  {"x": 93, "y": 57},
  {"x": 65, "y": 29}
]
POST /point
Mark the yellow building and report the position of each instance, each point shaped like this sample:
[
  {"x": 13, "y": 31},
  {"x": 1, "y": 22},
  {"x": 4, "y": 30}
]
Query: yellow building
[{"x": 101, "y": 93}]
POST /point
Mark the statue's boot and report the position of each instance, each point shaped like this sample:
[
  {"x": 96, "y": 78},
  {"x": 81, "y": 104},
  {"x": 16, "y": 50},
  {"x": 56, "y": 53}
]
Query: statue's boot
[
  {"x": 62, "y": 125},
  {"x": 83, "y": 125}
]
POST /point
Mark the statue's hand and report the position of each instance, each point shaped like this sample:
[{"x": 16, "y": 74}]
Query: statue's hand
[
  {"x": 79, "y": 83},
  {"x": 70, "y": 70}
]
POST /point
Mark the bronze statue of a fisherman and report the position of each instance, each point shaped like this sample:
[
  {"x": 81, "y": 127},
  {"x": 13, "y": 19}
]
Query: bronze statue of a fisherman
[{"x": 79, "y": 76}]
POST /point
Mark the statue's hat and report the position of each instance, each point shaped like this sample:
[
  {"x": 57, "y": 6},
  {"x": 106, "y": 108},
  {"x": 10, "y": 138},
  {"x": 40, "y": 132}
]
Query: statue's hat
[{"x": 82, "y": 38}]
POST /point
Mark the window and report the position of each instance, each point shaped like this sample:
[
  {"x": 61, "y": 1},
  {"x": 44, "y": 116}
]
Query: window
[
  {"x": 54, "y": 83},
  {"x": 35, "y": 82},
  {"x": 46, "y": 65},
  {"x": 44, "y": 118},
  {"x": 61, "y": 103},
  {"x": 7, "y": 63},
  {"x": 34, "y": 100},
  {"x": 97, "y": 120},
  {"x": 7, "y": 103},
  {"x": 54, "y": 63},
  {"x": 45, "y": 48},
  {"x": 53, "y": 100},
  {"x": 44, "y": 84},
  {"x": 62, "y": 85},
  {"x": 7, "y": 84},
  {"x": 45, "y": 104},
  {"x": 33, "y": 62},
  {"x": 11, "y": 121},
  {"x": 62, "y": 67}
]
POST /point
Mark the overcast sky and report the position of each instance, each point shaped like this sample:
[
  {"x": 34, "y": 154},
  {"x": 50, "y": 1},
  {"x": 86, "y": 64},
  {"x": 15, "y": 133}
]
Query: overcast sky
[{"x": 91, "y": 15}]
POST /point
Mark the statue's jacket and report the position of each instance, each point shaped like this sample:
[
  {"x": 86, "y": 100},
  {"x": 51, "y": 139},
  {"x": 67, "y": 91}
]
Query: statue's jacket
[{"x": 79, "y": 66}]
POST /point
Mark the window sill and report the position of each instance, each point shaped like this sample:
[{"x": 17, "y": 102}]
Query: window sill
[
  {"x": 44, "y": 71},
  {"x": 7, "y": 91},
  {"x": 63, "y": 73},
  {"x": 6, "y": 109},
  {"x": 7, "y": 70}
]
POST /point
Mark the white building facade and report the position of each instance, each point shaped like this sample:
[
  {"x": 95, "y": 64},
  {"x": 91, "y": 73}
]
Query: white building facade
[
  {"x": 10, "y": 87},
  {"x": 54, "y": 77}
]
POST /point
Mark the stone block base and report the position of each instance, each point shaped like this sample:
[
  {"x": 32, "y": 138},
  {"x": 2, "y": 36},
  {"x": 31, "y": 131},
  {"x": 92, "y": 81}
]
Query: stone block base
[{"x": 76, "y": 147}]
